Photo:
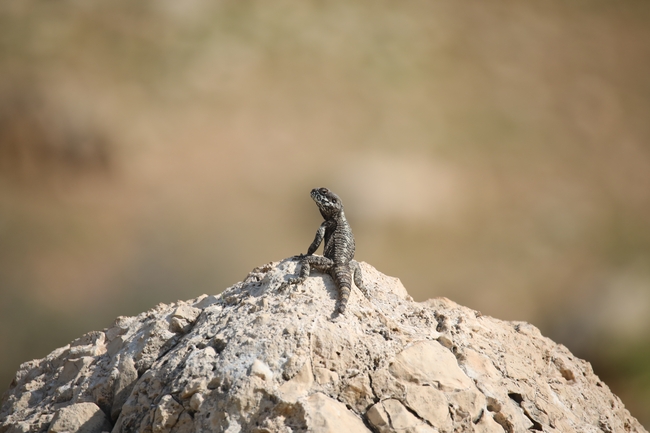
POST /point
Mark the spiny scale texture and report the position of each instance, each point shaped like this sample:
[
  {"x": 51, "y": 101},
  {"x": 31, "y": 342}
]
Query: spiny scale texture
[{"x": 338, "y": 250}]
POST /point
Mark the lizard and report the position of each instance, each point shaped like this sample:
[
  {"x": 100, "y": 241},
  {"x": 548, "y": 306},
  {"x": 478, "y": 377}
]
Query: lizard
[{"x": 338, "y": 250}]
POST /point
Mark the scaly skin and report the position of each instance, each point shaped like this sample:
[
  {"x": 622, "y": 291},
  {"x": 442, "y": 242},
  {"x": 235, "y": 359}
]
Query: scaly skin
[{"x": 338, "y": 250}]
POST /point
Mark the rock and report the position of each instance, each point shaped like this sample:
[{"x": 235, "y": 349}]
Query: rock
[
  {"x": 183, "y": 318},
  {"x": 429, "y": 363},
  {"x": 430, "y": 404},
  {"x": 358, "y": 392},
  {"x": 299, "y": 385},
  {"x": 167, "y": 412},
  {"x": 324, "y": 376},
  {"x": 196, "y": 401},
  {"x": 90, "y": 344},
  {"x": 261, "y": 370},
  {"x": 391, "y": 416},
  {"x": 487, "y": 424},
  {"x": 256, "y": 360},
  {"x": 467, "y": 404},
  {"x": 124, "y": 382},
  {"x": 326, "y": 415},
  {"x": 79, "y": 418}
]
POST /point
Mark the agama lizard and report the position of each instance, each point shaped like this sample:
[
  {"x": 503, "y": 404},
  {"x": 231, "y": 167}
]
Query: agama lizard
[{"x": 338, "y": 250}]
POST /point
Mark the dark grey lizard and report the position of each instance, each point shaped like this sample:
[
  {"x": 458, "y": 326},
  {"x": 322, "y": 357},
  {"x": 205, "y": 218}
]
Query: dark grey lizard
[{"x": 338, "y": 250}]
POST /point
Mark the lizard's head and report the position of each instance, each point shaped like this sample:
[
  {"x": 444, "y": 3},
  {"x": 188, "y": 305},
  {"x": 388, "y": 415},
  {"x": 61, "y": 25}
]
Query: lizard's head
[{"x": 328, "y": 203}]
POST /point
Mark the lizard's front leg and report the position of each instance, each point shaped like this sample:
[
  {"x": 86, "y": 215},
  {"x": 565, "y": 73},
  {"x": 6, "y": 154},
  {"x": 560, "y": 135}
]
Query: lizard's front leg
[
  {"x": 320, "y": 233},
  {"x": 306, "y": 262}
]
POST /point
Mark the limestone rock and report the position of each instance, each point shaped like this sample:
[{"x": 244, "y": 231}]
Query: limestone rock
[
  {"x": 429, "y": 363},
  {"x": 430, "y": 404},
  {"x": 326, "y": 415},
  {"x": 166, "y": 414},
  {"x": 392, "y": 416},
  {"x": 79, "y": 418},
  {"x": 253, "y": 359}
]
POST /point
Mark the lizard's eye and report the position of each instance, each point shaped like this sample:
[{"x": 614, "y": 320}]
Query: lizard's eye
[{"x": 323, "y": 191}]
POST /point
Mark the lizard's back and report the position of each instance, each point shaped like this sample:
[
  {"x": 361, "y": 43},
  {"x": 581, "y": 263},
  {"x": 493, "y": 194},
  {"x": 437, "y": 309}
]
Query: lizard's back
[{"x": 339, "y": 241}]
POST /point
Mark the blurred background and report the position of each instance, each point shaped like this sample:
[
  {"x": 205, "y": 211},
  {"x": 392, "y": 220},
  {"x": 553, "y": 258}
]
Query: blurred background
[{"x": 496, "y": 153}]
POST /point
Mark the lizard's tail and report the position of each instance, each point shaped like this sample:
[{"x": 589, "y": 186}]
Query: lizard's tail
[
  {"x": 343, "y": 279},
  {"x": 345, "y": 295}
]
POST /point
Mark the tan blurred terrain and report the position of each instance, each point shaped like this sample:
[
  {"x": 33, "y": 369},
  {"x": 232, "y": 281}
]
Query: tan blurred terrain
[{"x": 497, "y": 153}]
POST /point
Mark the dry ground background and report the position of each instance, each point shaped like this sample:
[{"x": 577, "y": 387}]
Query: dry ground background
[{"x": 494, "y": 152}]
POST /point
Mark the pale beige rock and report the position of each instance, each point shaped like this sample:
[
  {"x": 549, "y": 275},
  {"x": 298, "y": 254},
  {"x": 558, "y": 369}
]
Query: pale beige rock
[
  {"x": 193, "y": 386},
  {"x": 256, "y": 360},
  {"x": 487, "y": 424},
  {"x": 400, "y": 418},
  {"x": 430, "y": 404},
  {"x": 187, "y": 312},
  {"x": 323, "y": 376},
  {"x": 391, "y": 416},
  {"x": 91, "y": 344},
  {"x": 73, "y": 368},
  {"x": 429, "y": 363},
  {"x": 299, "y": 385},
  {"x": 185, "y": 424},
  {"x": 205, "y": 301},
  {"x": 478, "y": 367},
  {"x": 470, "y": 402},
  {"x": 512, "y": 418},
  {"x": 326, "y": 415},
  {"x": 261, "y": 370},
  {"x": 166, "y": 414},
  {"x": 79, "y": 418},
  {"x": 358, "y": 392},
  {"x": 183, "y": 317},
  {"x": 378, "y": 418},
  {"x": 196, "y": 401},
  {"x": 384, "y": 384},
  {"x": 126, "y": 377}
]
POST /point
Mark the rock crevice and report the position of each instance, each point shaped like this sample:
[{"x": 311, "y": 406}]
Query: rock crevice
[{"x": 253, "y": 359}]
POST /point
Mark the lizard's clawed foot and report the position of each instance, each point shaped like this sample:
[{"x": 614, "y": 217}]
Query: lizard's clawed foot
[{"x": 289, "y": 282}]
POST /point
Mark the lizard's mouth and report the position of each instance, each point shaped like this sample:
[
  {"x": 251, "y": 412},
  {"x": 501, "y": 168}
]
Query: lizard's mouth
[
  {"x": 327, "y": 201},
  {"x": 319, "y": 198},
  {"x": 316, "y": 194}
]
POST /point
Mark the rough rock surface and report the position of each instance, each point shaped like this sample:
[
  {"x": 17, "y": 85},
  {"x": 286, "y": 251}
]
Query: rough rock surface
[{"x": 256, "y": 360}]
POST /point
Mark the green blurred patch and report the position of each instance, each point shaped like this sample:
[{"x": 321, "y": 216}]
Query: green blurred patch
[{"x": 625, "y": 369}]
